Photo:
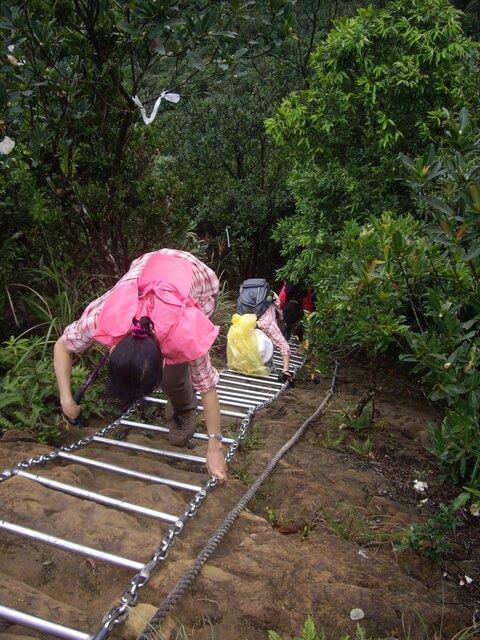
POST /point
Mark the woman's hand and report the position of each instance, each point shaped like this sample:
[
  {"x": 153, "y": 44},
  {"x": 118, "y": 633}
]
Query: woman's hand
[
  {"x": 70, "y": 410},
  {"x": 216, "y": 464}
]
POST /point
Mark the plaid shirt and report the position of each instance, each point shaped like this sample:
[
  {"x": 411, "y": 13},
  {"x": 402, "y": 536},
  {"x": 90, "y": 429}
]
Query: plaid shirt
[
  {"x": 268, "y": 324},
  {"x": 204, "y": 290}
]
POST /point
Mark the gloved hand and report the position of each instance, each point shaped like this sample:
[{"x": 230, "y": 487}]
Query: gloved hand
[
  {"x": 285, "y": 376},
  {"x": 79, "y": 421}
]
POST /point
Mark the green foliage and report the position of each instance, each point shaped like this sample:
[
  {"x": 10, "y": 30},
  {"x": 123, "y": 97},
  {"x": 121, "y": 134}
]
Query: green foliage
[
  {"x": 432, "y": 538},
  {"x": 380, "y": 81},
  {"x": 370, "y": 70},
  {"x": 410, "y": 285},
  {"x": 445, "y": 352},
  {"x": 362, "y": 298},
  {"x": 362, "y": 448},
  {"x": 54, "y": 296},
  {"x": 28, "y": 390},
  {"x": 456, "y": 442},
  {"x": 232, "y": 180},
  {"x": 66, "y": 85},
  {"x": 330, "y": 441},
  {"x": 361, "y": 423},
  {"x": 310, "y": 633}
]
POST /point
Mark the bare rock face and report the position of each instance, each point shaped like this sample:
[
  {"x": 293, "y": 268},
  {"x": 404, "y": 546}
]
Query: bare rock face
[{"x": 17, "y": 435}]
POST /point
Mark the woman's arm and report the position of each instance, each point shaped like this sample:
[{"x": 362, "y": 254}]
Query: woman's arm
[
  {"x": 62, "y": 363},
  {"x": 268, "y": 324},
  {"x": 215, "y": 458}
]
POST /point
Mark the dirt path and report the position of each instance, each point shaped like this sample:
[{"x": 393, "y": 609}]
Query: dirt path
[{"x": 315, "y": 540}]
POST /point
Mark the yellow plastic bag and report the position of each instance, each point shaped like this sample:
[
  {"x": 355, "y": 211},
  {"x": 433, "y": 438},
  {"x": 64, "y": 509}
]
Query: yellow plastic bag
[{"x": 242, "y": 346}]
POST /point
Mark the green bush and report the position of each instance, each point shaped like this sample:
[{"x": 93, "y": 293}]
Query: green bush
[{"x": 29, "y": 394}]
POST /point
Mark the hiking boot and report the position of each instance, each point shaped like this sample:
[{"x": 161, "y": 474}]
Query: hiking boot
[{"x": 182, "y": 427}]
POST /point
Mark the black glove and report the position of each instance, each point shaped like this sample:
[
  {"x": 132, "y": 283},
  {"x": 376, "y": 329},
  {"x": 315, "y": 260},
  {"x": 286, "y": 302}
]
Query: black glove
[
  {"x": 79, "y": 421},
  {"x": 285, "y": 376}
]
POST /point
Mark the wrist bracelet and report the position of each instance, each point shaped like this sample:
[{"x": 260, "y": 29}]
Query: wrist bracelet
[{"x": 217, "y": 436}]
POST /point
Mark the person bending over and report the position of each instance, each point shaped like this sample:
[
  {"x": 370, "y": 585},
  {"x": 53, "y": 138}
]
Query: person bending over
[{"x": 155, "y": 321}]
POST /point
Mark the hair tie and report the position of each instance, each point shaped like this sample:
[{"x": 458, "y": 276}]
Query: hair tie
[{"x": 140, "y": 330}]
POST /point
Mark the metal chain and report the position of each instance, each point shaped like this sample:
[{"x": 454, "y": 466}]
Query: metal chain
[{"x": 53, "y": 455}]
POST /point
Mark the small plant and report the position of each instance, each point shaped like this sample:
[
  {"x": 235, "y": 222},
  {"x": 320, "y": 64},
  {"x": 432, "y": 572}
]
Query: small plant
[
  {"x": 272, "y": 516},
  {"x": 357, "y": 527},
  {"x": 329, "y": 441},
  {"x": 431, "y": 538},
  {"x": 475, "y": 506},
  {"x": 241, "y": 475},
  {"x": 362, "y": 448},
  {"x": 310, "y": 633},
  {"x": 251, "y": 442},
  {"x": 361, "y": 423},
  {"x": 361, "y": 418}
]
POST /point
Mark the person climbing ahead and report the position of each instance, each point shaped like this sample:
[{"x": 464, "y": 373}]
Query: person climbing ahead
[
  {"x": 155, "y": 322},
  {"x": 268, "y": 323},
  {"x": 295, "y": 301},
  {"x": 256, "y": 297}
]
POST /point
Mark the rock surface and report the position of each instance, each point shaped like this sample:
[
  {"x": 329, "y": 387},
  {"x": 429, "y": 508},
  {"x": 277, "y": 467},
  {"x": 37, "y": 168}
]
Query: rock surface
[{"x": 316, "y": 539}]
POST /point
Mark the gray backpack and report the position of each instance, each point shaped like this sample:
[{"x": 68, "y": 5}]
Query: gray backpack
[{"x": 255, "y": 297}]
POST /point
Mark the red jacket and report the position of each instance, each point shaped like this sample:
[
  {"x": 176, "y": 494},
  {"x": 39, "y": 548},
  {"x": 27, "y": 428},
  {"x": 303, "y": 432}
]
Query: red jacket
[{"x": 306, "y": 302}]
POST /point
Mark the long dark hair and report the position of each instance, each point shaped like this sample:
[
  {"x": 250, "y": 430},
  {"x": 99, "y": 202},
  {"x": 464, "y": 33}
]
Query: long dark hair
[{"x": 135, "y": 365}]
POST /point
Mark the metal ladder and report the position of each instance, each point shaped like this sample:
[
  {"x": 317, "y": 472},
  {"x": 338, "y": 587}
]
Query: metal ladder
[{"x": 241, "y": 396}]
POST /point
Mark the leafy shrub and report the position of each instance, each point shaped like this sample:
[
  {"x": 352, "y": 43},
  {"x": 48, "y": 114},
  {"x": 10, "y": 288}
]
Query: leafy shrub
[
  {"x": 432, "y": 538},
  {"x": 445, "y": 352},
  {"x": 29, "y": 393}
]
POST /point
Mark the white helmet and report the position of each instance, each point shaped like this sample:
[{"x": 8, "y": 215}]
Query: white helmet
[{"x": 265, "y": 346}]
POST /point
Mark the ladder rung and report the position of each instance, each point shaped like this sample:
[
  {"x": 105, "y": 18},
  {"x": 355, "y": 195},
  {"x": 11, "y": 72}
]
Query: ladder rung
[
  {"x": 40, "y": 624},
  {"x": 231, "y": 414},
  {"x": 131, "y": 473},
  {"x": 256, "y": 383},
  {"x": 241, "y": 394},
  {"x": 159, "y": 429},
  {"x": 158, "y": 452},
  {"x": 97, "y": 497},
  {"x": 68, "y": 545}
]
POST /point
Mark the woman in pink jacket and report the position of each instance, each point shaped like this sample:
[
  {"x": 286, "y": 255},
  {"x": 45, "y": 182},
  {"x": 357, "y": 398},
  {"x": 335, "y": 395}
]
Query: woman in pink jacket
[{"x": 155, "y": 321}]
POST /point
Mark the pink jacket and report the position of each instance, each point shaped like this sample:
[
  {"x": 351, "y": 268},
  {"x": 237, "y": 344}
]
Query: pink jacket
[{"x": 183, "y": 332}]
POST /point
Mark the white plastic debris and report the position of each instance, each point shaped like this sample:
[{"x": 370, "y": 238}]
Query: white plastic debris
[
  {"x": 171, "y": 97},
  {"x": 420, "y": 486},
  {"x": 7, "y": 145},
  {"x": 363, "y": 553},
  {"x": 357, "y": 614},
  {"x": 468, "y": 580}
]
